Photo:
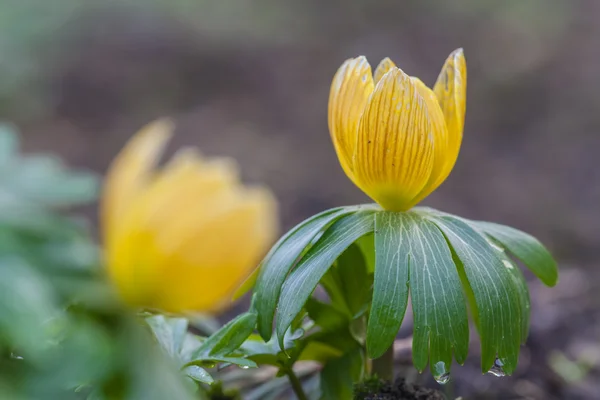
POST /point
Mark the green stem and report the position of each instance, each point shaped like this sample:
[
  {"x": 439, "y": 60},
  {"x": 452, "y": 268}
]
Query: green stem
[
  {"x": 296, "y": 384},
  {"x": 383, "y": 366}
]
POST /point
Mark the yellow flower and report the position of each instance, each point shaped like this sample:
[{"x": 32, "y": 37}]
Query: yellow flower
[
  {"x": 396, "y": 139},
  {"x": 182, "y": 237}
]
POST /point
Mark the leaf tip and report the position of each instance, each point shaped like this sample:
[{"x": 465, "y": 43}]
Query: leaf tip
[
  {"x": 264, "y": 330},
  {"x": 552, "y": 280}
]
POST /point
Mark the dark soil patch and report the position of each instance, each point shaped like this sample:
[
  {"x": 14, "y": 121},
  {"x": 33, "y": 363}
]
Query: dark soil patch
[{"x": 400, "y": 390}]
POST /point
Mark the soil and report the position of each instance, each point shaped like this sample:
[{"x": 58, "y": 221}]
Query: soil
[{"x": 399, "y": 390}]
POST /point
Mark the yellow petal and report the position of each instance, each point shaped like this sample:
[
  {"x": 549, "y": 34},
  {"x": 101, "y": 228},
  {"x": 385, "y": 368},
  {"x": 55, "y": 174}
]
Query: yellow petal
[
  {"x": 184, "y": 236},
  {"x": 208, "y": 266},
  {"x": 184, "y": 181},
  {"x": 351, "y": 87},
  {"x": 384, "y": 66},
  {"x": 185, "y": 222},
  {"x": 187, "y": 256},
  {"x": 130, "y": 172},
  {"x": 132, "y": 267},
  {"x": 440, "y": 137},
  {"x": 187, "y": 183},
  {"x": 451, "y": 92},
  {"x": 394, "y": 154},
  {"x": 134, "y": 249}
]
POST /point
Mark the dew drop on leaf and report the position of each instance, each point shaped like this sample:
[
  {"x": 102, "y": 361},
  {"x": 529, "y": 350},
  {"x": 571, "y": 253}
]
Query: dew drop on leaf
[
  {"x": 497, "y": 369},
  {"x": 442, "y": 379},
  {"x": 440, "y": 373}
]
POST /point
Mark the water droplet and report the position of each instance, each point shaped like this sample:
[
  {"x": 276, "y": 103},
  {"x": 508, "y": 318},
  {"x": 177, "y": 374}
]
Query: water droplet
[
  {"x": 497, "y": 369},
  {"x": 244, "y": 367},
  {"x": 209, "y": 364},
  {"x": 442, "y": 379},
  {"x": 440, "y": 373},
  {"x": 439, "y": 368}
]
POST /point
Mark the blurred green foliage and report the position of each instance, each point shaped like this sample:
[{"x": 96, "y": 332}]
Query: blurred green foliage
[{"x": 62, "y": 334}]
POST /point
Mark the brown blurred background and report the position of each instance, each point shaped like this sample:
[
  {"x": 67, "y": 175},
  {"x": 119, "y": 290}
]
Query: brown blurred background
[{"x": 250, "y": 79}]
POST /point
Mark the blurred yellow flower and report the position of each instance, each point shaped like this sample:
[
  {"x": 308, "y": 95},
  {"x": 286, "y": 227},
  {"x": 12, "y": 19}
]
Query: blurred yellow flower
[
  {"x": 396, "y": 139},
  {"x": 182, "y": 237}
]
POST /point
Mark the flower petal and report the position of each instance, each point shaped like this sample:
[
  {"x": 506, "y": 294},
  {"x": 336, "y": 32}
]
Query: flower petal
[
  {"x": 149, "y": 232},
  {"x": 384, "y": 66},
  {"x": 451, "y": 92},
  {"x": 440, "y": 137},
  {"x": 351, "y": 87},
  {"x": 222, "y": 252},
  {"x": 187, "y": 182},
  {"x": 130, "y": 172},
  {"x": 394, "y": 154}
]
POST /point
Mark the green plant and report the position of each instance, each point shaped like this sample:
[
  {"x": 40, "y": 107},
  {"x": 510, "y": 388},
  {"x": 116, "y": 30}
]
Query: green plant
[
  {"x": 63, "y": 335},
  {"x": 397, "y": 140},
  {"x": 446, "y": 262}
]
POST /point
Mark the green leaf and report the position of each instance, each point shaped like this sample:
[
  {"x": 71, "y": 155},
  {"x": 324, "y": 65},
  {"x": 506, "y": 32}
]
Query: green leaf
[
  {"x": 348, "y": 283},
  {"x": 246, "y": 286},
  {"x": 148, "y": 375},
  {"x": 179, "y": 327},
  {"x": 355, "y": 279},
  {"x": 191, "y": 343},
  {"x": 358, "y": 329},
  {"x": 19, "y": 214},
  {"x": 325, "y": 315},
  {"x": 485, "y": 229},
  {"x": 28, "y": 307},
  {"x": 519, "y": 281},
  {"x": 319, "y": 352},
  {"x": 470, "y": 296},
  {"x": 45, "y": 180},
  {"x": 169, "y": 332},
  {"x": 281, "y": 259},
  {"x": 367, "y": 246},
  {"x": 341, "y": 339},
  {"x": 260, "y": 352},
  {"x": 229, "y": 338},
  {"x": 332, "y": 283},
  {"x": 210, "y": 361},
  {"x": 339, "y": 375},
  {"x": 497, "y": 298},
  {"x": 270, "y": 353},
  {"x": 204, "y": 323},
  {"x": 390, "y": 288},
  {"x": 524, "y": 300},
  {"x": 526, "y": 248},
  {"x": 315, "y": 263},
  {"x": 440, "y": 314},
  {"x": 39, "y": 180},
  {"x": 199, "y": 374}
]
